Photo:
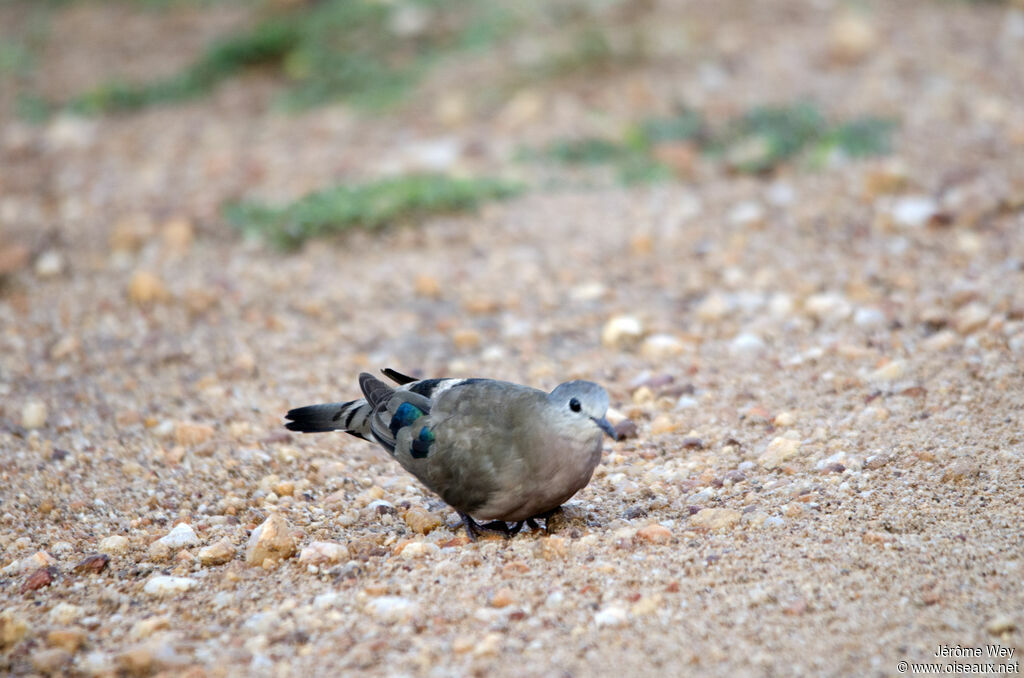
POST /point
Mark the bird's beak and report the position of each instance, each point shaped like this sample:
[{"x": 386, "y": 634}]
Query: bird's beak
[{"x": 606, "y": 426}]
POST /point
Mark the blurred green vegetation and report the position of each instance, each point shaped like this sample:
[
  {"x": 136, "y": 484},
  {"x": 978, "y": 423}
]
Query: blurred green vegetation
[
  {"x": 757, "y": 141},
  {"x": 368, "y": 206},
  {"x": 367, "y": 52},
  {"x": 372, "y": 52}
]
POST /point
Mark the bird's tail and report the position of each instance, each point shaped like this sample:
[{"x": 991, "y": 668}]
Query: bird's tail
[{"x": 351, "y": 417}]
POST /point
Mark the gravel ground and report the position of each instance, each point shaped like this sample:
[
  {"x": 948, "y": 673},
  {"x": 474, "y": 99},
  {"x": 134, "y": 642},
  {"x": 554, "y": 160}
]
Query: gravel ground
[{"x": 824, "y": 370}]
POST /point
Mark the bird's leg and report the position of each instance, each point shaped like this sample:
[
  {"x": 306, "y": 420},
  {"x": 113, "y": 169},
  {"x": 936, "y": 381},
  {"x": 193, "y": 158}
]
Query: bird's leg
[
  {"x": 532, "y": 520},
  {"x": 471, "y": 527},
  {"x": 514, "y": 530}
]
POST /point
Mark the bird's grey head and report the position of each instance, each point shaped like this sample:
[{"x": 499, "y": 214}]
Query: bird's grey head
[{"x": 585, "y": 403}]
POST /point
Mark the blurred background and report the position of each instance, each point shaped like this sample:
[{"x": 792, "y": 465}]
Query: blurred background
[{"x": 595, "y": 172}]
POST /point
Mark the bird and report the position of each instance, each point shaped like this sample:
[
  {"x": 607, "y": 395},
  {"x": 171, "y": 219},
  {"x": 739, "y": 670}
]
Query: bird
[{"x": 492, "y": 450}]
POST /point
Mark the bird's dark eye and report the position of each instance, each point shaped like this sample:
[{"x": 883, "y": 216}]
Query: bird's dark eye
[{"x": 574, "y": 405}]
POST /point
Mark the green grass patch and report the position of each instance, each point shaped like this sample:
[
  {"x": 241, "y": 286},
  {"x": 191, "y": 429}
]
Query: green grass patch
[
  {"x": 367, "y": 206},
  {"x": 367, "y": 52},
  {"x": 268, "y": 43},
  {"x": 758, "y": 141}
]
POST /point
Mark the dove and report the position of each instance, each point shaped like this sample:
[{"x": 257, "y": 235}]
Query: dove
[{"x": 492, "y": 450}]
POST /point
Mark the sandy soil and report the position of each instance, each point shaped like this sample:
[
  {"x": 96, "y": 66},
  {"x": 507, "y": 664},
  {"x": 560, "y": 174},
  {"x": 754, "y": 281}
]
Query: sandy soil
[{"x": 827, "y": 476}]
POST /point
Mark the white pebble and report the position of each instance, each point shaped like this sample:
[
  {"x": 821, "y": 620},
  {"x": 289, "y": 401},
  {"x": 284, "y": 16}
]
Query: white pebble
[
  {"x": 65, "y": 613},
  {"x": 621, "y": 331},
  {"x": 746, "y": 214},
  {"x": 180, "y": 537},
  {"x": 164, "y": 585},
  {"x": 115, "y": 544},
  {"x": 49, "y": 264},
  {"x": 321, "y": 552},
  {"x": 661, "y": 346},
  {"x": 33, "y": 414},
  {"x": 715, "y": 306},
  {"x": 869, "y": 318},
  {"x": 746, "y": 344},
  {"x": 781, "y": 194},
  {"x": 613, "y": 615},
  {"x": 828, "y": 306},
  {"x": 914, "y": 211},
  {"x": 420, "y": 549},
  {"x": 686, "y": 402},
  {"x": 890, "y": 371},
  {"x": 391, "y": 608}
]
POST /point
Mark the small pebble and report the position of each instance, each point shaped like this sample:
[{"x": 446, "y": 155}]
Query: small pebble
[
  {"x": 177, "y": 235},
  {"x": 622, "y": 331},
  {"x": 780, "y": 449},
  {"x": 914, "y": 211},
  {"x": 611, "y": 616},
  {"x": 748, "y": 213},
  {"x": 503, "y": 598},
  {"x": 189, "y": 434},
  {"x": 869, "y": 318},
  {"x": 64, "y": 613},
  {"x": 94, "y": 563},
  {"x": 420, "y": 549},
  {"x": 323, "y": 553},
  {"x": 427, "y": 286},
  {"x": 40, "y": 578},
  {"x": 1001, "y": 624},
  {"x": 146, "y": 288},
  {"x": 646, "y": 605},
  {"x": 852, "y": 37},
  {"x": 13, "y": 628},
  {"x": 165, "y": 585},
  {"x": 64, "y": 347},
  {"x": 421, "y": 521},
  {"x": 217, "y": 553},
  {"x": 715, "y": 518},
  {"x": 70, "y": 639},
  {"x": 144, "y": 628},
  {"x": 50, "y": 661},
  {"x": 661, "y": 347},
  {"x": 115, "y": 544},
  {"x": 466, "y": 339},
  {"x": 746, "y": 344},
  {"x": 828, "y": 306},
  {"x": 714, "y": 307},
  {"x": 49, "y": 264},
  {"x": 392, "y": 608},
  {"x": 33, "y": 414},
  {"x": 271, "y": 540},
  {"x": 663, "y": 424},
  {"x": 970, "y": 318},
  {"x": 784, "y": 420},
  {"x": 180, "y": 536},
  {"x": 654, "y": 534},
  {"x": 891, "y": 371}
]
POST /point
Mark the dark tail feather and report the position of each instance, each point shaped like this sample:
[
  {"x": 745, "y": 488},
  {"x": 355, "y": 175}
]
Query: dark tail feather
[
  {"x": 398, "y": 377},
  {"x": 319, "y": 418}
]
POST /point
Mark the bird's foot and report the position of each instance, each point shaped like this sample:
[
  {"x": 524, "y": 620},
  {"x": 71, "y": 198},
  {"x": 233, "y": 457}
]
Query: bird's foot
[{"x": 475, "y": 529}]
